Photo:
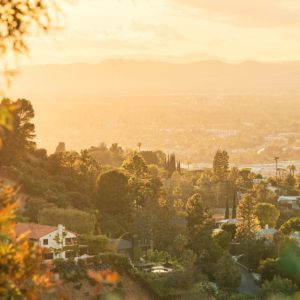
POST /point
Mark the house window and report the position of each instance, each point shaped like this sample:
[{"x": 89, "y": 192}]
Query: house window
[
  {"x": 48, "y": 255},
  {"x": 69, "y": 241},
  {"x": 45, "y": 241}
]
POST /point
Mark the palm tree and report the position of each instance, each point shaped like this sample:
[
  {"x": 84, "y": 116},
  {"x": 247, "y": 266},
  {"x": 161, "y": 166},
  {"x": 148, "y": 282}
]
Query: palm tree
[
  {"x": 292, "y": 169},
  {"x": 139, "y": 144}
]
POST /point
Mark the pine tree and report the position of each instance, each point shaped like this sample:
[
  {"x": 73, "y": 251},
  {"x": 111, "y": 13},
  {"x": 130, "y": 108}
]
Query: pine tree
[
  {"x": 221, "y": 165},
  {"x": 246, "y": 212},
  {"x": 227, "y": 209},
  {"x": 171, "y": 165}
]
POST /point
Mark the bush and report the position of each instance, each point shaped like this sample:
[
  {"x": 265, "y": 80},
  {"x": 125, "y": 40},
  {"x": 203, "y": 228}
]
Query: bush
[
  {"x": 268, "y": 268},
  {"x": 229, "y": 228},
  {"x": 278, "y": 286},
  {"x": 227, "y": 274},
  {"x": 158, "y": 256},
  {"x": 223, "y": 238},
  {"x": 95, "y": 243},
  {"x": 291, "y": 225},
  {"x": 169, "y": 285},
  {"x": 120, "y": 262},
  {"x": 73, "y": 219},
  {"x": 69, "y": 271}
]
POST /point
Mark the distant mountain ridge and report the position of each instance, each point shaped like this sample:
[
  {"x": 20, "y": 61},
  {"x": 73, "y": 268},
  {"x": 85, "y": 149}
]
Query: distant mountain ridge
[{"x": 118, "y": 77}]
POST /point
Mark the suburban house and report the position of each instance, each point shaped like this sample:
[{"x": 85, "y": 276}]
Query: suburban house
[
  {"x": 132, "y": 248},
  {"x": 219, "y": 223},
  {"x": 55, "y": 239},
  {"x": 292, "y": 201},
  {"x": 296, "y": 237},
  {"x": 266, "y": 233}
]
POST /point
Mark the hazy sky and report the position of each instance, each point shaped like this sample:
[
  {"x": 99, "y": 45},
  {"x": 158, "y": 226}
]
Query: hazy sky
[{"x": 231, "y": 29}]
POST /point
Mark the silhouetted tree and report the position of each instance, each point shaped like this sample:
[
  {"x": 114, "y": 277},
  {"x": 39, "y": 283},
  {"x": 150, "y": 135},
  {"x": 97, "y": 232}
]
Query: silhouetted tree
[
  {"x": 19, "y": 140},
  {"x": 221, "y": 165}
]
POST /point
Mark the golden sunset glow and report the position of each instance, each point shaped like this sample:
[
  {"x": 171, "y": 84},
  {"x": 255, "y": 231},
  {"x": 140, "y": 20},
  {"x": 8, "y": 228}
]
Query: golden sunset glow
[
  {"x": 150, "y": 149},
  {"x": 174, "y": 30}
]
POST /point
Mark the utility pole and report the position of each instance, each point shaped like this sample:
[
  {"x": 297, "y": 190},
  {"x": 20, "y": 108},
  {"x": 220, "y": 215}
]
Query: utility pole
[{"x": 276, "y": 161}]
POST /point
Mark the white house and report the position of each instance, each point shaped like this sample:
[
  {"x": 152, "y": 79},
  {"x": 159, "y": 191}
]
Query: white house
[
  {"x": 267, "y": 233},
  {"x": 54, "y": 239},
  {"x": 292, "y": 200}
]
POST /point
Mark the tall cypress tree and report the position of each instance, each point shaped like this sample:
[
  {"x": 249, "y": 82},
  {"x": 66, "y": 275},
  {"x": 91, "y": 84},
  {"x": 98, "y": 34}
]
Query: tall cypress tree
[
  {"x": 233, "y": 214},
  {"x": 172, "y": 165},
  {"x": 227, "y": 208},
  {"x": 179, "y": 167}
]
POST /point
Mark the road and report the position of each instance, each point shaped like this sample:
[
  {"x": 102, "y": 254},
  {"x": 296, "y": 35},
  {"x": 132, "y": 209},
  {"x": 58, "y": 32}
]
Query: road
[{"x": 248, "y": 284}]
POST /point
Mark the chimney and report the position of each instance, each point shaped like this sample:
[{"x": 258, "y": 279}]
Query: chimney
[{"x": 60, "y": 229}]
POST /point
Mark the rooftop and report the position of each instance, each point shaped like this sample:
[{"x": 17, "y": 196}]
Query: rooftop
[
  {"x": 35, "y": 231},
  {"x": 289, "y": 198}
]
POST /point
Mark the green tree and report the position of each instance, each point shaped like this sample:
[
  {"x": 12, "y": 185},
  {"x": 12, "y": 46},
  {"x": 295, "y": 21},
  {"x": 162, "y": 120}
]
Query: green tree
[
  {"x": 254, "y": 250},
  {"x": 34, "y": 205},
  {"x": 71, "y": 160},
  {"x": 227, "y": 209},
  {"x": 139, "y": 144},
  {"x": 290, "y": 226},
  {"x": 223, "y": 238},
  {"x": 278, "y": 287},
  {"x": 88, "y": 166},
  {"x": 95, "y": 243},
  {"x": 197, "y": 213},
  {"x": 268, "y": 268},
  {"x": 135, "y": 165},
  {"x": 267, "y": 214},
  {"x": 171, "y": 164},
  {"x": 221, "y": 165},
  {"x": 73, "y": 219},
  {"x": 113, "y": 193},
  {"x": 227, "y": 274},
  {"x": 231, "y": 228},
  {"x": 292, "y": 169},
  {"x": 180, "y": 242},
  {"x": 248, "y": 224},
  {"x": 234, "y": 204},
  {"x": 20, "y": 139}
]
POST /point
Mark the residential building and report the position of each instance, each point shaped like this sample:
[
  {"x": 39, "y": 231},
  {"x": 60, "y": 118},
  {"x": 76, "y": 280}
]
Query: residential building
[
  {"x": 292, "y": 201},
  {"x": 266, "y": 233},
  {"x": 219, "y": 223},
  {"x": 55, "y": 239},
  {"x": 295, "y": 236}
]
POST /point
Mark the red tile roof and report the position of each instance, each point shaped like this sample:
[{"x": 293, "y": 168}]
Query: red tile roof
[{"x": 35, "y": 231}]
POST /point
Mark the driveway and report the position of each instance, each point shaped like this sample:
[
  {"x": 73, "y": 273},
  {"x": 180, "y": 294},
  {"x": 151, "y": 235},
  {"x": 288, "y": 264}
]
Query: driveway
[{"x": 248, "y": 284}]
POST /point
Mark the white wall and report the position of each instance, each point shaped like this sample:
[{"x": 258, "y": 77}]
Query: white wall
[{"x": 52, "y": 243}]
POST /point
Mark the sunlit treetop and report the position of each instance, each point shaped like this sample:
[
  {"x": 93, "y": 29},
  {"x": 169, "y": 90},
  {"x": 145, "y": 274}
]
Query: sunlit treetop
[{"x": 17, "y": 17}]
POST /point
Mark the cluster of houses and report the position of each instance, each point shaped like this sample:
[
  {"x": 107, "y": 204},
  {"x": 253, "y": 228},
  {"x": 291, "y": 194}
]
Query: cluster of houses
[
  {"x": 286, "y": 202},
  {"x": 60, "y": 243}
]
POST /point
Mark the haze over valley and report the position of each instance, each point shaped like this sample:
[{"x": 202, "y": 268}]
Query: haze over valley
[{"x": 191, "y": 109}]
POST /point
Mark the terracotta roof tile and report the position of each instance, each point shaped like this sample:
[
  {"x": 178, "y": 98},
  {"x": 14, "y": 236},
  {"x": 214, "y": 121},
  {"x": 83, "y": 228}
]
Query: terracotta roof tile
[{"x": 36, "y": 231}]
